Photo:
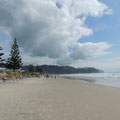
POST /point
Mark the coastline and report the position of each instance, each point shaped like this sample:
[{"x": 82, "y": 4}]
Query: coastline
[
  {"x": 58, "y": 99},
  {"x": 104, "y": 79}
]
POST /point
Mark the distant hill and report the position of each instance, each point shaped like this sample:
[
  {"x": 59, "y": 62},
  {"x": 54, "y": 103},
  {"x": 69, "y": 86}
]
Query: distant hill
[{"x": 54, "y": 69}]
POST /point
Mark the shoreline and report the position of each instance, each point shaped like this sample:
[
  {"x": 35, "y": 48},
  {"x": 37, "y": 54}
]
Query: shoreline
[{"x": 104, "y": 81}]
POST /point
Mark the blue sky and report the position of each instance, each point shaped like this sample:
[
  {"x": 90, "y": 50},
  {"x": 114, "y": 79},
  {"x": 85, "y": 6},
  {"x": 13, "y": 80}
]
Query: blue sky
[{"x": 106, "y": 28}]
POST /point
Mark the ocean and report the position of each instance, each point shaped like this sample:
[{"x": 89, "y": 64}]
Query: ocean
[{"x": 107, "y": 79}]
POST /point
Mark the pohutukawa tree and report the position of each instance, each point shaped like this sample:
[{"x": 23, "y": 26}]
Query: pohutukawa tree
[
  {"x": 14, "y": 62},
  {"x": 1, "y": 60}
]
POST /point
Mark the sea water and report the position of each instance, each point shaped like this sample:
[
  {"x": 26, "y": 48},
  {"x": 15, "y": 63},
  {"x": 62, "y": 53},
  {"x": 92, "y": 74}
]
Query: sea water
[{"x": 107, "y": 79}]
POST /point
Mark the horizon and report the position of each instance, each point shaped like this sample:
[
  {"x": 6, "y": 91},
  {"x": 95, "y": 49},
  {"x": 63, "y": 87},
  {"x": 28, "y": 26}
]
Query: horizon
[{"x": 65, "y": 33}]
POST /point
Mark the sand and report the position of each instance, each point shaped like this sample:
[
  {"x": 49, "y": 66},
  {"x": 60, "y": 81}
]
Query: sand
[{"x": 58, "y": 99}]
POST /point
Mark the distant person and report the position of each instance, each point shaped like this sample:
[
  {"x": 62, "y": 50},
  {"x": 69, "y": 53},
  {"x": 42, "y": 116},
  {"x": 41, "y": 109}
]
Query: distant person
[
  {"x": 47, "y": 76},
  {"x": 51, "y": 76}
]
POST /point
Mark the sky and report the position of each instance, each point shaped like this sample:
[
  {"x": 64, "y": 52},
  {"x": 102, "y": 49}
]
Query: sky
[{"x": 79, "y": 33}]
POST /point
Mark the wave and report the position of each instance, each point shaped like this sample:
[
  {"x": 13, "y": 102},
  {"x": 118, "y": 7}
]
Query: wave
[{"x": 108, "y": 79}]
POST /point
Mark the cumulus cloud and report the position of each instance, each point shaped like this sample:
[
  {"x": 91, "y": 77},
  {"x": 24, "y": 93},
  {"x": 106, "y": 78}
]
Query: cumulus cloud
[
  {"x": 89, "y": 50},
  {"x": 44, "y": 28},
  {"x": 85, "y": 51},
  {"x": 85, "y": 7},
  {"x": 38, "y": 60},
  {"x": 65, "y": 60}
]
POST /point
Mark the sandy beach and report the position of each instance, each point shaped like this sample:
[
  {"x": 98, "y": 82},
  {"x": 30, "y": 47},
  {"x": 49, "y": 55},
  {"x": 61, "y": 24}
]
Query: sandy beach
[{"x": 58, "y": 99}]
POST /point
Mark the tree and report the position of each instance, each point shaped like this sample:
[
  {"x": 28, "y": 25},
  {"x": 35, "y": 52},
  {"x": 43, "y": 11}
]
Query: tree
[
  {"x": 30, "y": 68},
  {"x": 14, "y": 61},
  {"x": 1, "y": 55},
  {"x": 38, "y": 69}
]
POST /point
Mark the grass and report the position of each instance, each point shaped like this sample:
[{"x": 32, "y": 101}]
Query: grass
[{"x": 14, "y": 74}]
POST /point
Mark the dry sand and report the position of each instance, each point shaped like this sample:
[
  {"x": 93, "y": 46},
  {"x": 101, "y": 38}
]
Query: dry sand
[{"x": 58, "y": 99}]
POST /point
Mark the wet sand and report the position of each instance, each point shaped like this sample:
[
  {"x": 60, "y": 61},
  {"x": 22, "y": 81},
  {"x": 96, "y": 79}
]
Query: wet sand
[{"x": 58, "y": 99}]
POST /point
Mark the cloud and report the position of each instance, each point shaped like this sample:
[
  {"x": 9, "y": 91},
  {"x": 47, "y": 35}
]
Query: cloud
[
  {"x": 45, "y": 29},
  {"x": 85, "y": 7},
  {"x": 38, "y": 60},
  {"x": 84, "y": 51},
  {"x": 65, "y": 60},
  {"x": 89, "y": 50}
]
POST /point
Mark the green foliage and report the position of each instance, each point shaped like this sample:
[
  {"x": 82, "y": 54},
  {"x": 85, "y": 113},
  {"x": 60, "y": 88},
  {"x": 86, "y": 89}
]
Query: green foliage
[
  {"x": 14, "y": 61},
  {"x": 1, "y": 55},
  {"x": 30, "y": 68},
  {"x": 38, "y": 69}
]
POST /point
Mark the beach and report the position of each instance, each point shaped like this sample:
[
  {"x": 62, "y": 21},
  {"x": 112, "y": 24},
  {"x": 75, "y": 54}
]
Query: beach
[{"x": 58, "y": 99}]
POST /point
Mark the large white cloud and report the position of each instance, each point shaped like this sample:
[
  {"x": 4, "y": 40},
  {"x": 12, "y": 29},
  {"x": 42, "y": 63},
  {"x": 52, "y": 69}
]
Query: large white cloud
[
  {"x": 44, "y": 29},
  {"x": 85, "y": 51},
  {"x": 85, "y": 7},
  {"x": 89, "y": 50}
]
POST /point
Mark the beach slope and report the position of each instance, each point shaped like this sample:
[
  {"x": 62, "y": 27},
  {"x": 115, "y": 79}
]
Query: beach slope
[{"x": 58, "y": 99}]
